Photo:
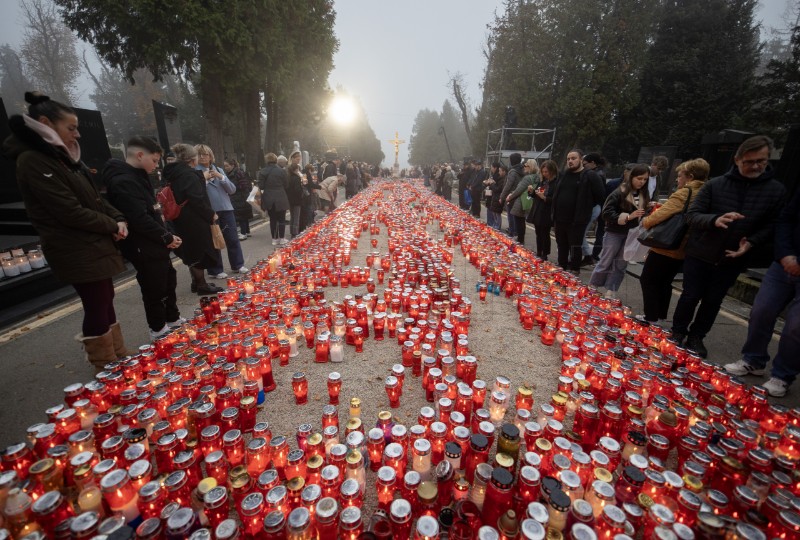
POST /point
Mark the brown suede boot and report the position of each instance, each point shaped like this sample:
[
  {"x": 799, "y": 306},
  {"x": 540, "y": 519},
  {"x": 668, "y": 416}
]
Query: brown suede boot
[
  {"x": 99, "y": 349},
  {"x": 119, "y": 342}
]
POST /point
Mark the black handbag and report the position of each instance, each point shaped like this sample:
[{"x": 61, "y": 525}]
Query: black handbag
[{"x": 669, "y": 233}]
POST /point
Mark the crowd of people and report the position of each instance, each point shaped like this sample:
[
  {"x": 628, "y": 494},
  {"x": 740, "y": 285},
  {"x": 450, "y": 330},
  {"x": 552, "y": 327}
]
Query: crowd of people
[
  {"x": 85, "y": 234},
  {"x": 723, "y": 225}
]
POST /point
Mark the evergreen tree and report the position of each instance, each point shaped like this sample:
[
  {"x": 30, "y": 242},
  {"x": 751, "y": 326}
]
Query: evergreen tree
[{"x": 699, "y": 73}]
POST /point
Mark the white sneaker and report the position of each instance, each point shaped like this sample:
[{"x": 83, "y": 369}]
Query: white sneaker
[
  {"x": 740, "y": 368},
  {"x": 242, "y": 237},
  {"x": 611, "y": 294},
  {"x": 776, "y": 387},
  {"x": 221, "y": 275},
  {"x": 161, "y": 333},
  {"x": 274, "y": 242},
  {"x": 283, "y": 241},
  {"x": 180, "y": 321},
  {"x": 242, "y": 270}
]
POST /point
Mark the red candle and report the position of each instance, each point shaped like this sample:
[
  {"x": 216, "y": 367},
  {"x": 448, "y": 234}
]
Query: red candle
[
  {"x": 300, "y": 388},
  {"x": 393, "y": 390},
  {"x": 334, "y": 387}
]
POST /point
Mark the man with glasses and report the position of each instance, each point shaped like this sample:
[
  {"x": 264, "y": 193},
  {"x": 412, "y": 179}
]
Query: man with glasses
[{"x": 731, "y": 215}]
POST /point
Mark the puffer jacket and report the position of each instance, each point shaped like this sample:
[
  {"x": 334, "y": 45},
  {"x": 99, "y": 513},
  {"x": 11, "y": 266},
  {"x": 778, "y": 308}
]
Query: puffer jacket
[
  {"x": 130, "y": 191},
  {"x": 75, "y": 223},
  {"x": 759, "y": 200},
  {"x": 674, "y": 205}
]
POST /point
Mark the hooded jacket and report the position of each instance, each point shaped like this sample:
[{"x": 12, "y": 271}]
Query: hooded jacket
[
  {"x": 75, "y": 223},
  {"x": 759, "y": 200},
  {"x": 130, "y": 191}
]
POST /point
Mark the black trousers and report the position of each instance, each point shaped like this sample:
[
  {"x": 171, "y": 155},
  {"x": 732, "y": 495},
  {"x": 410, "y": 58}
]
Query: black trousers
[
  {"x": 543, "y": 241},
  {"x": 97, "y": 298},
  {"x": 705, "y": 284},
  {"x": 569, "y": 239},
  {"x": 519, "y": 222},
  {"x": 277, "y": 223},
  {"x": 475, "y": 208},
  {"x": 157, "y": 280},
  {"x": 658, "y": 273}
]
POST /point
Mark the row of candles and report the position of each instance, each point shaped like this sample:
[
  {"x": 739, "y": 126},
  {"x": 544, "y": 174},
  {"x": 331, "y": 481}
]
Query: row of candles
[
  {"x": 16, "y": 262},
  {"x": 633, "y": 400}
]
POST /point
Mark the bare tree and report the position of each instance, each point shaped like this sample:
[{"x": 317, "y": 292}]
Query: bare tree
[
  {"x": 13, "y": 82},
  {"x": 49, "y": 50},
  {"x": 456, "y": 85}
]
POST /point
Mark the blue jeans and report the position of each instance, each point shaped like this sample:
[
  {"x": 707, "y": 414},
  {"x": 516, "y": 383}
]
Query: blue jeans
[
  {"x": 227, "y": 222},
  {"x": 585, "y": 247},
  {"x": 610, "y": 269},
  {"x": 778, "y": 290},
  {"x": 494, "y": 219}
]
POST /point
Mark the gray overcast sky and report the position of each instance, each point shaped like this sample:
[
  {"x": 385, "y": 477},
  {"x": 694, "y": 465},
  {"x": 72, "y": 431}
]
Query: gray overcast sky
[{"x": 395, "y": 56}]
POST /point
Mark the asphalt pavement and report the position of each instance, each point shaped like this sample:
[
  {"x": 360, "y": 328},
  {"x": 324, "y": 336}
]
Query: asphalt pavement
[{"x": 40, "y": 356}]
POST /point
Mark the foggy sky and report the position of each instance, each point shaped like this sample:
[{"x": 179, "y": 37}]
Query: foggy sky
[{"x": 395, "y": 56}]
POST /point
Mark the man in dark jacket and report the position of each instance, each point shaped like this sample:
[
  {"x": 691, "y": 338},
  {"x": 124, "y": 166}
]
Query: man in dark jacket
[
  {"x": 578, "y": 191},
  {"x": 476, "y": 187},
  {"x": 149, "y": 242},
  {"x": 730, "y": 215},
  {"x": 780, "y": 289},
  {"x": 515, "y": 173}
]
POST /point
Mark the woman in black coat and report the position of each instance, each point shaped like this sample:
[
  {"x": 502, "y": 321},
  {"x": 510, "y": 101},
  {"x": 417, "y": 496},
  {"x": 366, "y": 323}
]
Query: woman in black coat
[
  {"x": 541, "y": 211},
  {"x": 244, "y": 185},
  {"x": 193, "y": 224}
]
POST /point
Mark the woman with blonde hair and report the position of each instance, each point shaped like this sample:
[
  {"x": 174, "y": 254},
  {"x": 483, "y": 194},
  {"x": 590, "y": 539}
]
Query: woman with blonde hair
[
  {"x": 219, "y": 189},
  {"x": 622, "y": 211},
  {"x": 517, "y": 210},
  {"x": 662, "y": 265},
  {"x": 193, "y": 224}
]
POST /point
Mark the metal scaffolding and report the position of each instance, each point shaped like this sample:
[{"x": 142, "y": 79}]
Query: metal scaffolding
[{"x": 530, "y": 143}]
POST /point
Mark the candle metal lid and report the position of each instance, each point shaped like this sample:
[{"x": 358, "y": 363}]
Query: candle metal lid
[
  {"x": 427, "y": 526},
  {"x": 327, "y": 507},
  {"x": 533, "y": 530},
  {"x": 350, "y": 516}
]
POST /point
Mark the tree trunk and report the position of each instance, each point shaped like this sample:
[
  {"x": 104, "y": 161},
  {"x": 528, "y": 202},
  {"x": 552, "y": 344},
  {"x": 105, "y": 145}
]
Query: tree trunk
[
  {"x": 251, "y": 107},
  {"x": 212, "y": 111}
]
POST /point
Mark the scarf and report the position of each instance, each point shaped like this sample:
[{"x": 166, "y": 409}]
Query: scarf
[{"x": 52, "y": 138}]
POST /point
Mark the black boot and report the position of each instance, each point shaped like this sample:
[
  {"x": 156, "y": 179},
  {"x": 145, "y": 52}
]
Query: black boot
[
  {"x": 199, "y": 284},
  {"x": 695, "y": 343}
]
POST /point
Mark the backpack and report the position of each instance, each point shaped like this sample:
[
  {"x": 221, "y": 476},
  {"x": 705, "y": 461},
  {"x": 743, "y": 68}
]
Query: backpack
[{"x": 170, "y": 208}]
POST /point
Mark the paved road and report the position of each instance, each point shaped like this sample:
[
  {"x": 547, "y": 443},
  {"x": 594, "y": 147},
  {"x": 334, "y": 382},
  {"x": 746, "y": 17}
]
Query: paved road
[{"x": 41, "y": 357}]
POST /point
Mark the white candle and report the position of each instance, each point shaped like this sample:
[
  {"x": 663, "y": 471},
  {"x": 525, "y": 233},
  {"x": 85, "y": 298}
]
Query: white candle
[
  {"x": 23, "y": 264},
  {"x": 90, "y": 499},
  {"x": 10, "y": 268}
]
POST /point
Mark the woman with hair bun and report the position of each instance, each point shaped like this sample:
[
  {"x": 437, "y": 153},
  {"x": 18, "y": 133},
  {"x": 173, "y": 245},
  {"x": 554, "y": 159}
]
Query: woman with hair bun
[{"x": 78, "y": 228}]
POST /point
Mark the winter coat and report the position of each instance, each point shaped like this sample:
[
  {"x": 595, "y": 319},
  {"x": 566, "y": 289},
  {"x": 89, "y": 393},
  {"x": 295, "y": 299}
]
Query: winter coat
[
  {"x": 516, "y": 195},
  {"x": 759, "y": 200},
  {"x": 193, "y": 225},
  {"x": 617, "y": 209},
  {"x": 352, "y": 184},
  {"x": 590, "y": 193},
  {"x": 272, "y": 181},
  {"x": 674, "y": 205},
  {"x": 74, "y": 222},
  {"x": 130, "y": 191},
  {"x": 541, "y": 214},
  {"x": 294, "y": 189},
  {"x": 329, "y": 188},
  {"x": 242, "y": 209},
  {"x": 513, "y": 177}
]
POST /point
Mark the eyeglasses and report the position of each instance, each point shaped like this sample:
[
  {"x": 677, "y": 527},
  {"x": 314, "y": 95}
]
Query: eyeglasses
[{"x": 755, "y": 162}]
